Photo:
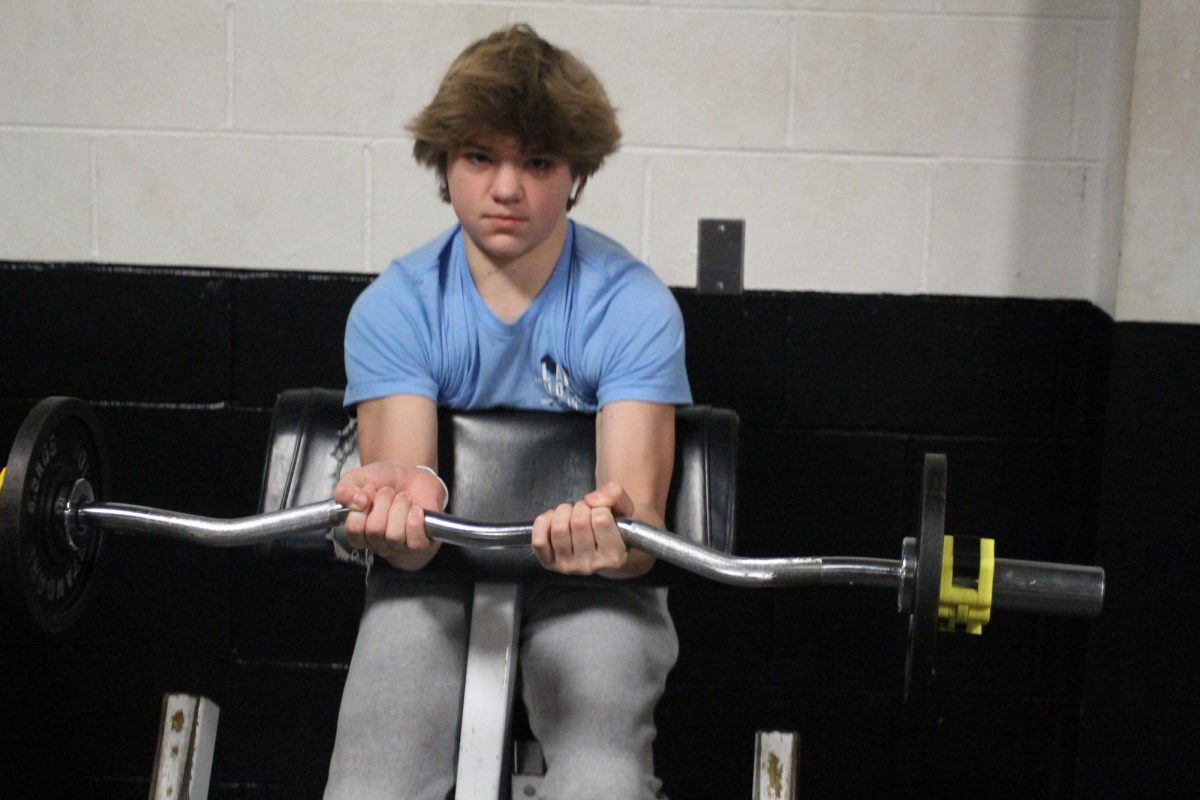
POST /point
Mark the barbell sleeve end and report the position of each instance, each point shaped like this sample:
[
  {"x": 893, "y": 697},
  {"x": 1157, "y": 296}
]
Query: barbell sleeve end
[{"x": 1038, "y": 587}]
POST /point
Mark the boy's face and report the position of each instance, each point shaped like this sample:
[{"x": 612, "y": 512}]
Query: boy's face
[{"x": 509, "y": 201}]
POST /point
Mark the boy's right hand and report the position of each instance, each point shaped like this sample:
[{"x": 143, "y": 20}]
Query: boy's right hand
[{"x": 387, "y": 516}]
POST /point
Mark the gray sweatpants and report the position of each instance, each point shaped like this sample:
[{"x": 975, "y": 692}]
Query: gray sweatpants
[{"x": 594, "y": 662}]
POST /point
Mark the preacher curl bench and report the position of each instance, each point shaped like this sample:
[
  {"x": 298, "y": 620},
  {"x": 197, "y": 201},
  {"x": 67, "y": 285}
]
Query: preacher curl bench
[{"x": 499, "y": 465}]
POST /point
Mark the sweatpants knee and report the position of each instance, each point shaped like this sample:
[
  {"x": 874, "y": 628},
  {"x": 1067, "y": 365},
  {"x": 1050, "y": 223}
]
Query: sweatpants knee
[{"x": 599, "y": 775}]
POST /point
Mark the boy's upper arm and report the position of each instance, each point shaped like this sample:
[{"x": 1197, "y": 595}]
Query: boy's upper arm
[
  {"x": 643, "y": 345},
  {"x": 388, "y": 344}
]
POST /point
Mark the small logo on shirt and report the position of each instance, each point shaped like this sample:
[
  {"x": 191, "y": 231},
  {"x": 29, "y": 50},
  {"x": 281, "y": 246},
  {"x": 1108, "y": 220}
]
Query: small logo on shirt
[{"x": 557, "y": 385}]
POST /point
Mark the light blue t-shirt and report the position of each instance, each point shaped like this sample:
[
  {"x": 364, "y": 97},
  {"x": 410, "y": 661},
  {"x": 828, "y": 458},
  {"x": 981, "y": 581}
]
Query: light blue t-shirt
[{"x": 604, "y": 328}]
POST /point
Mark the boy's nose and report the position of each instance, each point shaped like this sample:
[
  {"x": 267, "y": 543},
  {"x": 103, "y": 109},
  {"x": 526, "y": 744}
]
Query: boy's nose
[{"x": 506, "y": 186}]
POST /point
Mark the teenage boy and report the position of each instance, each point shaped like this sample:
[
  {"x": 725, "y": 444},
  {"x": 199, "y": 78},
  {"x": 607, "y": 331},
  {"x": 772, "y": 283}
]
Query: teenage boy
[{"x": 515, "y": 307}]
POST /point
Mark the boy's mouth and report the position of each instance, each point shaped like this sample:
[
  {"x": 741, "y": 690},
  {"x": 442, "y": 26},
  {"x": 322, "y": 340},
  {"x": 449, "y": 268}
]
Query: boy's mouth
[{"x": 504, "y": 221}]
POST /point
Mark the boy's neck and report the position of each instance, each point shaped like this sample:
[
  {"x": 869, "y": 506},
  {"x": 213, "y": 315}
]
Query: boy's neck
[{"x": 509, "y": 287}]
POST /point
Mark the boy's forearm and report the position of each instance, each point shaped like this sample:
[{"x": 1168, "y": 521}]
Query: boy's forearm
[{"x": 635, "y": 445}]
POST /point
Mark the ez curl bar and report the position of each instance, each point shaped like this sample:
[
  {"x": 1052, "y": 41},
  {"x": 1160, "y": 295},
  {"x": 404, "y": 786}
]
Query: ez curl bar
[{"x": 53, "y": 521}]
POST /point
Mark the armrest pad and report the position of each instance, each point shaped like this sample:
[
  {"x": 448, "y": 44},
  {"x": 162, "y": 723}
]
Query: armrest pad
[{"x": 499, "y": 465}]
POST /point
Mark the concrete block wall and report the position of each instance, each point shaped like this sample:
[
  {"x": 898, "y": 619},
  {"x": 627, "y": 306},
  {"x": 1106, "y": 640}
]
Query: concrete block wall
[
  {"x": 902, "y": 146},
  {"x": 1160, "y": 262}
]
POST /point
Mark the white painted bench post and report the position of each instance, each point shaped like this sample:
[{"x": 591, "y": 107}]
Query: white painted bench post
[{"x": 488, "y": 691}]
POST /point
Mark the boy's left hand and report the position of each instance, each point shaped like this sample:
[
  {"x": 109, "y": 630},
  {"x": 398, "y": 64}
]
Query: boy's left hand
[{"x": 583, "y": 539}]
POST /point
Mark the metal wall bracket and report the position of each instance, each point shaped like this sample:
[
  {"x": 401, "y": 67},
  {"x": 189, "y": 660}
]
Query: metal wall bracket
[{"x": 720, "y": 256}]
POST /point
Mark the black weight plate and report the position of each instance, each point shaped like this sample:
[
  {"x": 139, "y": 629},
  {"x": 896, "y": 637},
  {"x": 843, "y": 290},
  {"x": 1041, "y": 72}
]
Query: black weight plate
[
  {"x": 922, "y": 623},
  {"x": 58, "y": 443}
]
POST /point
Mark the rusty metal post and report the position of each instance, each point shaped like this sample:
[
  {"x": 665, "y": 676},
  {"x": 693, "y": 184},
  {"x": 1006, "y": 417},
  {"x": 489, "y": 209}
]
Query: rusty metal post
[
  {"x": 776, "y": 757},
  {"x": 187, "y": 736}
]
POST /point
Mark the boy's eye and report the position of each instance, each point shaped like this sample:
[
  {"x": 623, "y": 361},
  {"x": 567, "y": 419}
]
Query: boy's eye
[
  {"x": 476, "y": 157},
  {"x": 541, "y": 164}
]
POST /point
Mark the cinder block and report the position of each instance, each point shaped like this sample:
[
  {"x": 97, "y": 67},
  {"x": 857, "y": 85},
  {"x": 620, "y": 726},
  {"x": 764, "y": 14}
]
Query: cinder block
[
  {"x": 45, "y": 205},
  {"x": 405, "y": 209},
  {"x": 736, "y": 4},
  {"x": 111, "y": 64},
  {"x": 928, "y": 84},
  {"x": 363, "y": 68},
  {"x": 1086, "y": 9},
  {"x": 231, "y": 202},
  {"x": 811, "y": 224},
  {"x": 682, "y": 76},
  {"x": 890, "y": 6},
  {"x": 612, "y": 201},
  {"x": 1105, "y": 83},
  {"x": 1159, "y": 279},
  {"x": 1013, "y": 230}
]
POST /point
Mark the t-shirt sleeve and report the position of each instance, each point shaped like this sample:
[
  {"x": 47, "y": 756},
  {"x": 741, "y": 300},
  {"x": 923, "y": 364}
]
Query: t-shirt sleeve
[
  {"x": 389, "y": 342},
  {"x": 643, "y": 345}
]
